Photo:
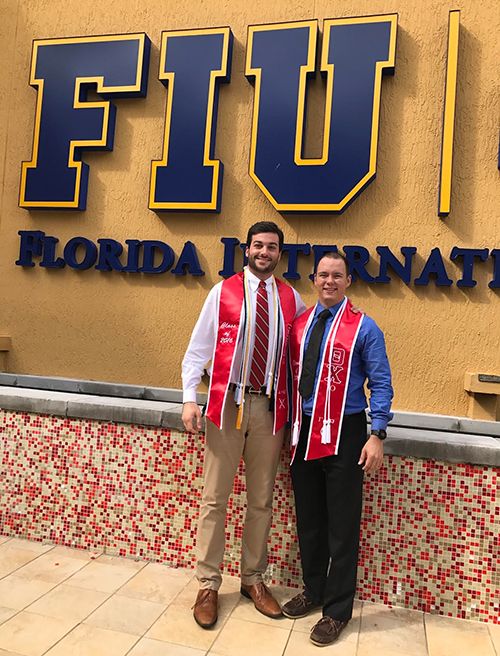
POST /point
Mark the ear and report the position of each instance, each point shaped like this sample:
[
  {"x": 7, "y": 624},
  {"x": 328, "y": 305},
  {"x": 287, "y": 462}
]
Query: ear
[
  {"x": 349, "y": 280},
  {"x": 246, "y": 252}
]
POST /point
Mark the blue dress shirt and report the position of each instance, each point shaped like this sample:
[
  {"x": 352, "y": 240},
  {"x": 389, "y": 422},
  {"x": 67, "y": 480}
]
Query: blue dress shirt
[{"x": 369, "y": 362}]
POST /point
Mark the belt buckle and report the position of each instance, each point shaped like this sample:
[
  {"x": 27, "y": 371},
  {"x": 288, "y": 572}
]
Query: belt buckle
[{"x": 254, "y": 391}]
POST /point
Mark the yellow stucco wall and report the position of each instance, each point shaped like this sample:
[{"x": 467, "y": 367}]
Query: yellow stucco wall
[{"x": 135, "y": 328}]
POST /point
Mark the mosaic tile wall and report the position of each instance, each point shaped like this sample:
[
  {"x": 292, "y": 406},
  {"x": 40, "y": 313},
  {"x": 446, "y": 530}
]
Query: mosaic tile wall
[{"x": 430, "y": 530}]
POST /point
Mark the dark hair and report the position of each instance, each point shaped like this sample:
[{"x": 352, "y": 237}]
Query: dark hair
[
  {"x": 265, "y": 226},
  {"x": 333, "y": 255}
]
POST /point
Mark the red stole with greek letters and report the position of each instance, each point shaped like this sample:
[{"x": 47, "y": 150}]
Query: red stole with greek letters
[
  {"x": 331, "y": 391},
  {"x": 228, "y": 334}
]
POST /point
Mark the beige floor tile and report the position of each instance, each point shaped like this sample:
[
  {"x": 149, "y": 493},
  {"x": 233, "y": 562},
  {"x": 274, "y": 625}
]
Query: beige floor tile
[
  {"x": 494, "y": 630},
  {"x": 31, "y": 634},
  {"x": 13, "y": 557},
  {"x": 305, "y": 624},
  {"x": 117, "y": 561},
  {"x": 249, "y": 638},
  {"x": 104, "y": 575},
  {"x": 245, "y": 610},
  {"x": 68, "y": 602},
  {"x": 300, "y": 645},
  {"x": 4, "y": 652},
  {"x": 51, "y": 567},
  {"x": 127, "y": 615},
  {"x": 177, "y": 626},
  {"x": 391, "y": 631},
  {"x": 16, "y": 592},
  {"x": 87, "y": 640},
  {"x": 78, "y": 554},
  {"x": 148, "y": 647},
  {"x": 451, "y": 637},
  {"x": 4, "y": 538},
  {"x": 157, "y": 583},
  {"x": 6, "y": 613},
  {"x": 29, "y": 545}
]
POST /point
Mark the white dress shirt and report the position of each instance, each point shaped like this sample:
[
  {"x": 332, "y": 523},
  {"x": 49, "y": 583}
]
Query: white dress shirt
[{"x": 201, "y": 346}]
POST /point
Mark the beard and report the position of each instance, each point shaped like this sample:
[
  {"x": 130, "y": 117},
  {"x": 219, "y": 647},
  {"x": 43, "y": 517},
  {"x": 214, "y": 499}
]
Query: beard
[{"x": 261, "y": 266}]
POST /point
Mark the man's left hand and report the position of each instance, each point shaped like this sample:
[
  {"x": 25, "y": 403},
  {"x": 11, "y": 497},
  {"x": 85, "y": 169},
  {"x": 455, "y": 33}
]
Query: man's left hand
[{"x": 372, "y": 455}]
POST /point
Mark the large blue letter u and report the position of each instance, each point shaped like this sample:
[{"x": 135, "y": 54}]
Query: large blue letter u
[{"x": 355, "y": 54}]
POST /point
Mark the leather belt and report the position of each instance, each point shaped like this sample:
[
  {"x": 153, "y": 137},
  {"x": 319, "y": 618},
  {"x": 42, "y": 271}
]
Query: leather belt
[{"x": 250, "y": 390}]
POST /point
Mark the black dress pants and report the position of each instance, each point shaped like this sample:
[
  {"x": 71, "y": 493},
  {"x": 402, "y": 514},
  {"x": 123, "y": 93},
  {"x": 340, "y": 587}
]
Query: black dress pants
[{"x": 328, "y": 500}]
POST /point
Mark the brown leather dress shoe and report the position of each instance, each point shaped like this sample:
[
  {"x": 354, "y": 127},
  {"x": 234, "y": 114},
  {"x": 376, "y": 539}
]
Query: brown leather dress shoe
[
  {"x": 262, "y": 599},
  {"x": 205, "y": 608},
  {"x": 326, "y": 631}
]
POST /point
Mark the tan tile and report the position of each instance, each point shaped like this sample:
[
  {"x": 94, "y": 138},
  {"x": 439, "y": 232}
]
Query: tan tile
[
  {"x": 6, "y": 613},
  {"x": 245, "y": 610},
  {"x": 78, "y": 554},
  {"x": 4, "y": 652},
  {"x": 157, "y": 583},
  {"x": 148, "y": 647},
  {"x": 31, "y": 634},
  {"x": 87, "y": 640},
  {"x": 117, "y": 561},
  {"x": 16, "y": 592},
  {"x": 177, "y": 625},
  {"x": 249, "y": 638},
  {"x": 68, "y": 602},
  {"x": 391, "y": 631},
  {"x": 104, "y": 575},
  {"x": 126, "y": 615},
  {"x": 305, "y": 624},
  {"x": 494, "y": 630},
  {"x": 12, "y": 557},
  {"x": 4, "y": 538},
  {"x": 300, "y": 645},
  {"x": 53, "y": 567},
  {"x": 449, "y": 637},
  {"x": 36, "y": 548}
]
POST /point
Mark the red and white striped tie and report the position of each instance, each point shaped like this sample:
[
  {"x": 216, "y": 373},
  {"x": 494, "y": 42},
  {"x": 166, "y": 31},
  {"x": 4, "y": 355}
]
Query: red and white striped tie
[{"x": 257, "y": 377}]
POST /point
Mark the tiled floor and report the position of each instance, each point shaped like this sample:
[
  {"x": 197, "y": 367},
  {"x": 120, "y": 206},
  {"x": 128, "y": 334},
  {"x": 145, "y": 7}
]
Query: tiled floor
[{"x": 64, "y": 602}]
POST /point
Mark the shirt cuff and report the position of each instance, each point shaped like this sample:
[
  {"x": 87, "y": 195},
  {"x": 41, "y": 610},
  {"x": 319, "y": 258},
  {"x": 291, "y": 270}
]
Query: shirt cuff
[{"x": 189, "y": 396}]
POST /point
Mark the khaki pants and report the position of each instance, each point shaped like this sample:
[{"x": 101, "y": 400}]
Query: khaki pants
[{"x": 223, "y": 450}]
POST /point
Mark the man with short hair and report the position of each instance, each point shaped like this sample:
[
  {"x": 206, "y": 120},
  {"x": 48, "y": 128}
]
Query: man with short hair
[
  {"x": 243, "y": 330},
  {"x": 333, "y": 351}
]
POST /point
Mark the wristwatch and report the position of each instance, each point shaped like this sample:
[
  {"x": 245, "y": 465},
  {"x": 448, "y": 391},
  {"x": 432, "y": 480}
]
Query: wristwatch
[{"x": 380, "y": 433}]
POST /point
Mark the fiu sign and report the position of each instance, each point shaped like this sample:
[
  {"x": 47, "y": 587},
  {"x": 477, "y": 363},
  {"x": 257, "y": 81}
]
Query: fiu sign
[{"x": 355, "y": 55}]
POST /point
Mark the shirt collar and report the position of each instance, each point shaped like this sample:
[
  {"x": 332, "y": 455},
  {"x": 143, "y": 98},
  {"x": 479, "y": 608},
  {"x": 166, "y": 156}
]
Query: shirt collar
[
  {"x": 253, "y": 281},
  {"x": 333, "y": 310}
]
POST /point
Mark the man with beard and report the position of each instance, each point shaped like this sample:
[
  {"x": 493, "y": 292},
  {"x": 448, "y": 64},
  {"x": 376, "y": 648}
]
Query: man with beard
[{"x": 243, "y": 330}]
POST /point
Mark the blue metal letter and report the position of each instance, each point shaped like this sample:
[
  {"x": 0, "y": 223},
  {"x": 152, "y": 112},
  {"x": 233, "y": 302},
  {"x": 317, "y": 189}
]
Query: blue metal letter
[
  {"x": 63, "y": 70},
  {"x": 356, "y": 53},
  {"x": 192, "y": 64}
]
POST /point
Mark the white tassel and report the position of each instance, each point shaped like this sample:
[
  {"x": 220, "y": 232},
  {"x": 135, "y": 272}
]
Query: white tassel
[
  {"x": 326, "y": 437},
  {"x": 295, "y": 434}
]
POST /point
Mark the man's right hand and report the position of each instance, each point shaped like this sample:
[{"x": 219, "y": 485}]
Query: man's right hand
[{"x": 191, "y": 417}]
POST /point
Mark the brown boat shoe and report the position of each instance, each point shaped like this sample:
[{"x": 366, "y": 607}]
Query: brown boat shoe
[
  {"x": 262, "y": 599},
  {"x": 327, "y": 630}
]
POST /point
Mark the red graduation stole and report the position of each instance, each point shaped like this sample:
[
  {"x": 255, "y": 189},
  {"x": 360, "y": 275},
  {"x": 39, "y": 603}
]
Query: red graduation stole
[
  {"x": 331, "y": 391},
  {"x": 228, "y": 333}
]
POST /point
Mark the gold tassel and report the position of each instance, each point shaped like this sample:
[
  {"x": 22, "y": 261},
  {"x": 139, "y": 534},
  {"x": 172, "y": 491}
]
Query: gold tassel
[{"x": 239, "y": 417}]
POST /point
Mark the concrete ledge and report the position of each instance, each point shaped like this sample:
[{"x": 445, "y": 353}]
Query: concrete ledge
[
  {"x": 76, "y": 386},
  {"x": 447, "y": 447},
  {"x": 408, "y": 435}
]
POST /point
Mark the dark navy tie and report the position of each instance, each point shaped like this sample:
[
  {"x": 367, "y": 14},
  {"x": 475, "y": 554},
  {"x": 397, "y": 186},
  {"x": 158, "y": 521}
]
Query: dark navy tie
[{"x": 311, "y": 355}]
